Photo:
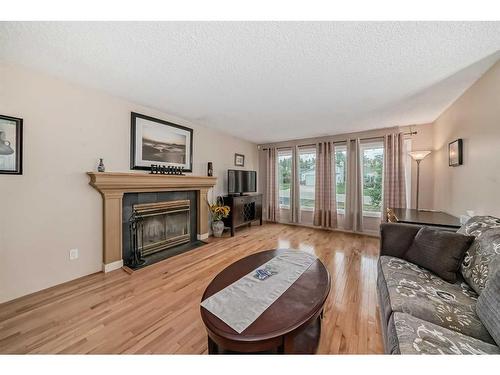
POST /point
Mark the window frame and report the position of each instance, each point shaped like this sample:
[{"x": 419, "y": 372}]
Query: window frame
[
  {"x": 287, "y": 152},
  {"x": 373, "y": 144},
  {"x": 342, "y": 146},
  {"x": 306, "y": 150}
]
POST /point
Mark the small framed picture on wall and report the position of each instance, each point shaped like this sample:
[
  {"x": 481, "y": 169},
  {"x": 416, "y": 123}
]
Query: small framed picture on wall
[
  {"x": 11, "y": 145},
  {"x": 239, "y": 160},
  {"x": 455, "y": 157}
]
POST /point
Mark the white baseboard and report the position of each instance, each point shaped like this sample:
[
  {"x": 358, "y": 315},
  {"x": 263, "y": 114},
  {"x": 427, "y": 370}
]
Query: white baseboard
[
  {"x": 203, "y": 236},
  {"x": 112, "y": 266}
]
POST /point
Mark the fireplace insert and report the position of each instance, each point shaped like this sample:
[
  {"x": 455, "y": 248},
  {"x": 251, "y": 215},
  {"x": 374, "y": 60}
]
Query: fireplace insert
[{"x": 155, "y": 227}]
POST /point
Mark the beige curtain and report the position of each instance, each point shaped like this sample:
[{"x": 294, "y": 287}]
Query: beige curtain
[
  {"x": 325, "y": 210},
  {"x": 394, "y": 173},
  {"x": 353, "y": 219},
  {"x": 272, "y": 205}
]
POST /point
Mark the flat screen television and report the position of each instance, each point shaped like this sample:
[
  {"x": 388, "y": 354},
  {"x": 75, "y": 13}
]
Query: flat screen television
[{"x": 239, "y": 181}]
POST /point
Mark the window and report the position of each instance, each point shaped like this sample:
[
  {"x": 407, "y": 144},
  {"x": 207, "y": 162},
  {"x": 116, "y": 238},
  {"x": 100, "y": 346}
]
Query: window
[
  {"x": 307, "y": 177},
  {"x": 340, "y": 175},
  {"x": 284, "y": 177},
  {"x": 373, "y": 161}
]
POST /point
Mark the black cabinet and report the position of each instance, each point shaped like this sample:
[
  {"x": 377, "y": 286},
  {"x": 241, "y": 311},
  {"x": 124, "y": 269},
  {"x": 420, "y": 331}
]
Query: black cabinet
[{"x": 244, "y": 210}]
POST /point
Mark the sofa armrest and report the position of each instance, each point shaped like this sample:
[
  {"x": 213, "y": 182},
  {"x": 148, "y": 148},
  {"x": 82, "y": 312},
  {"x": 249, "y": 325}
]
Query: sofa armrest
[{"x": 396, "y": 238}]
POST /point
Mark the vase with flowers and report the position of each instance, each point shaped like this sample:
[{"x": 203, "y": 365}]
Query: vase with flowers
[{"x": 219, "y": 211}]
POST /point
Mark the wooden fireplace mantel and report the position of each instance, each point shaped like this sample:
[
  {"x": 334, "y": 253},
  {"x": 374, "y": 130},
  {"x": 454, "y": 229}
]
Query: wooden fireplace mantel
[{"x": 112, "y": 186}]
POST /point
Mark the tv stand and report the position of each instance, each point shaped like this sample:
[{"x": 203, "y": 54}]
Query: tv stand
[{"x": 244, "y": 210}]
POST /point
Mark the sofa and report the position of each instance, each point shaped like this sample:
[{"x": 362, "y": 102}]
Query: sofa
[{"x": 421, "y": 313}]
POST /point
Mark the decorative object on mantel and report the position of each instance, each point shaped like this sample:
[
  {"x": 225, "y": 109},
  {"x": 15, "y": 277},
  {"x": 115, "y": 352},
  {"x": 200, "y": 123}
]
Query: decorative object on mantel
[
  {"x": 219, "y": 211},
  {"x": 159, "y": 142},
  {"x": 418, "y": 156},
  {"x": 210, "y": 169},
  {"x": 170, "y": 170},
  {"x": 239, "y": 160},
  {"x": 11, "y": 145},
  {"x": 101, "y": 167},
  {"x": 455, "y": 155}
]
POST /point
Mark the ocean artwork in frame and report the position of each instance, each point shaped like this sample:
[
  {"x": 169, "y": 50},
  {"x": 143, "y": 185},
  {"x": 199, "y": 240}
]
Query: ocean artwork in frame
[{"x": 159, "y": 142}]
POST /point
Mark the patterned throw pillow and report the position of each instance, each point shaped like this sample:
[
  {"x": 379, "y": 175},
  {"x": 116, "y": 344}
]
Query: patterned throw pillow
[{"x": 483, "y": 257}]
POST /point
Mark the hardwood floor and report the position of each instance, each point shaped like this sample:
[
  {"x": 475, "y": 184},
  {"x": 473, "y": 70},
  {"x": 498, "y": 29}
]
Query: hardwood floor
[{"x": 156, "y": 309}]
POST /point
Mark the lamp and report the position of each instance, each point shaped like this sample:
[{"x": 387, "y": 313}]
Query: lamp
[{"x": 418, "y": 156}]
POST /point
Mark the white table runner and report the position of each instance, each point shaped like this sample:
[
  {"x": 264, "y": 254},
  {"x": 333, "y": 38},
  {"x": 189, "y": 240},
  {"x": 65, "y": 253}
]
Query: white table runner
[{"x": 241, "y": 303}]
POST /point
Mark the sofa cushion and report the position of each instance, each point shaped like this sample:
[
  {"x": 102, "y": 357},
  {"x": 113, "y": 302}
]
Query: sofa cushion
[
  {"x": 416, "y": 336},
  {"x": 419, "y": 292},
  {"x": 483, "y": 257},
  {"x": 439, "y": 251},
  {"x": 383, "y": 291},
  {"x": 488, "y": 307}
]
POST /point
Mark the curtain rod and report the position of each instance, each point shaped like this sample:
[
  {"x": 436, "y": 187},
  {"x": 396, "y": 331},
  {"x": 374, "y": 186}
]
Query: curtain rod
[{"x": 314, "y": 144}]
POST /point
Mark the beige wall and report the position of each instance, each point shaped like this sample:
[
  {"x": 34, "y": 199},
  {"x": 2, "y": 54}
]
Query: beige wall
[
  {"x": 51, "y": 208},
  {"x": 474, "y": 117}
]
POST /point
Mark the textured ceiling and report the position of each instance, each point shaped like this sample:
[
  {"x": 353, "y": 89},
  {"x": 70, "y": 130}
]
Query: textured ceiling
[{"x": 267, "y": 81}]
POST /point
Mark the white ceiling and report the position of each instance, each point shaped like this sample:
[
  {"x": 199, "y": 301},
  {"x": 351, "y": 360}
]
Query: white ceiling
[{"x": 267, "y": 81}]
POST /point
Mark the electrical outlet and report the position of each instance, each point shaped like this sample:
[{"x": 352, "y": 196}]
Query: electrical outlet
[{"x": 73, "y": 254}]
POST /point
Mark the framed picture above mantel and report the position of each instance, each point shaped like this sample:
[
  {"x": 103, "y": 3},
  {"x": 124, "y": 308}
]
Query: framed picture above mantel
[
  {"x": 11, "y": 145},
  {"x": 159, "y": 142}
]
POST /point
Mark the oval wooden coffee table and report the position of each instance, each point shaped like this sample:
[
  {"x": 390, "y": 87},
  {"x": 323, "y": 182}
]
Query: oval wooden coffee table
[{"x": 292, "y": 324}]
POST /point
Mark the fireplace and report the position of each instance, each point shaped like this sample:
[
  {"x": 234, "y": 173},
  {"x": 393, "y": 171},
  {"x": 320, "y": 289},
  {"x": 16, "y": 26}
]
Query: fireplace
[
  {"x": 159, "y": 226},
  {"x": 120, "y": 191}
]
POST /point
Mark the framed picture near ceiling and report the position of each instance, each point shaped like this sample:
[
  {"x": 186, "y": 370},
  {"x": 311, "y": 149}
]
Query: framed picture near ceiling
[
  {"x": 455, "y": 156},
  {"x": 11, "y": 145},
  {"x": 239, "y": 160},
  {"x": 154, "y": 141}
]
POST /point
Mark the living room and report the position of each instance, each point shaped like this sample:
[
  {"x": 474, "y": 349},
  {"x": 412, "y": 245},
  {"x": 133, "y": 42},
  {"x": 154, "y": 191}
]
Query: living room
[{"x": 278, "y": 187}]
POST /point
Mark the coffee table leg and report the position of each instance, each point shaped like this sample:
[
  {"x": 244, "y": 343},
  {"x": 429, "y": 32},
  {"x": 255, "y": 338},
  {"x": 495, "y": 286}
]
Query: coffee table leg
[
  {"x": 288, "y": 342},
  {"x": 212, "y": 347},
  {"x": 281, "y": 349}
]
